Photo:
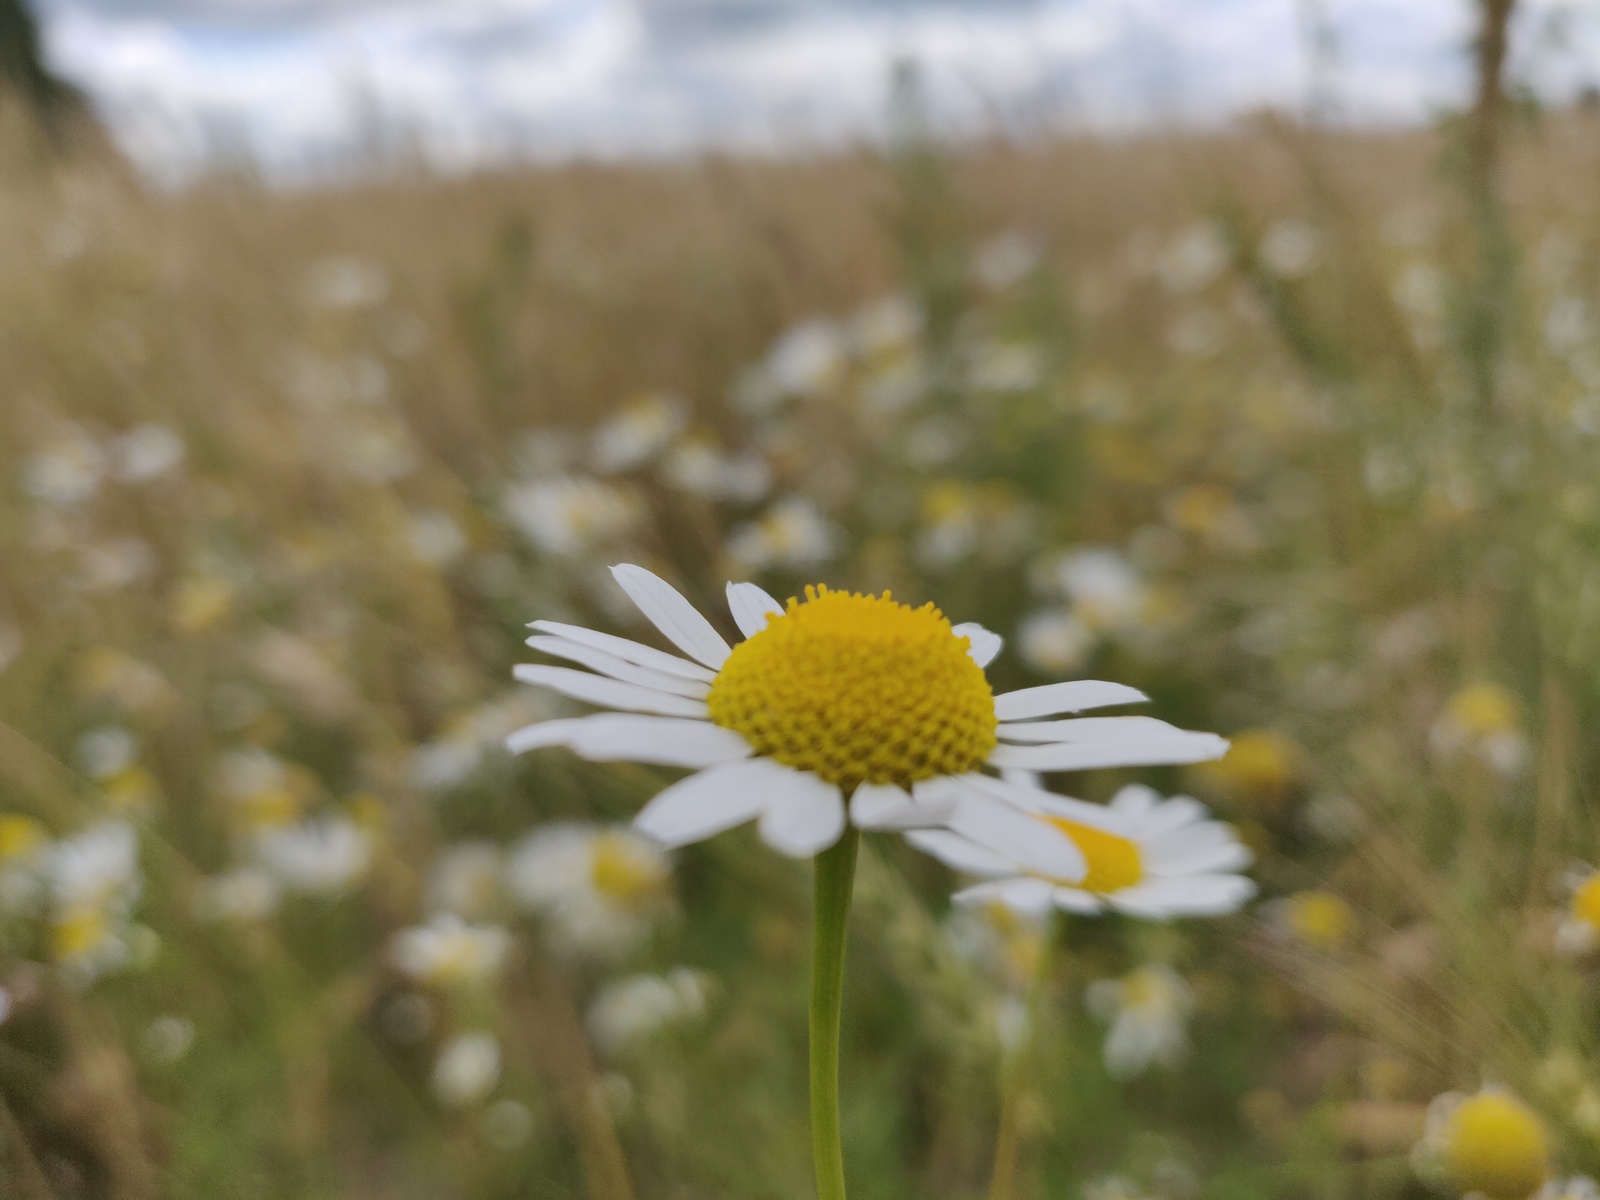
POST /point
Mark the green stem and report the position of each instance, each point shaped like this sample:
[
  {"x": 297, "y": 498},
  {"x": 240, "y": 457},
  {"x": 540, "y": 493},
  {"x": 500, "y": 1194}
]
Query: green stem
[{"x": 835, "y": 879}]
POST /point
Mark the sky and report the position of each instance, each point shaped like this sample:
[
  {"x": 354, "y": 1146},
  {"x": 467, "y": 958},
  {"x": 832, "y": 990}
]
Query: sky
[{"x": 306, "y": 87}]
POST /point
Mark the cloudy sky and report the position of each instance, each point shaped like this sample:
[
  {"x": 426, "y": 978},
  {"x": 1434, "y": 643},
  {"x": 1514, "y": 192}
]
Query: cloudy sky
[{"x": 298, "y": 83}]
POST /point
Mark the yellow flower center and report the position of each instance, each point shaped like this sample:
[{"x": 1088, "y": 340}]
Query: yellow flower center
[
  {"x": 1321, "y": 919},
  {"x": 1496, "y": 1145},
  {"x": 622, "y": 872},
  {"x": 1586, "y": 900},
  {"x": 1113, "y": 860},
  {"x": 1483, "y": 708},
  {"x": 78, "y": 931},
  {"x": 858, "y": 689},
  {"x": 20, "y": 836}
]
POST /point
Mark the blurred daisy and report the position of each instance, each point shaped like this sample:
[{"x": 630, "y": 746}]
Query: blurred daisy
[
  {"x": 640, "y": 1006},
  {"x": 839, "y": 695},
  {"x": 449, "y": 951},
  {"x": 1053, "y": 641},
  {"x": 571, "y": 514},
  {"x": 95, "y": 881},
  {"x": 698, "y": 466},
  {"x": 1145, "y": 856},
  {"x": 1579, "y": 1187},
  {"x": 146, "y": 452},
  {"x": 467, "y": 1069},
  {"x": 245, "y": 894},
  {"x": 645, "y": 427},
  {"x": 318, "y": 857},
  {"x": 791, "y": 534},
  {"x": 1489, "y": 1143},
  {"x": 599, "y": 889},
  {"x": 1483, "y": 719},
  {"x": 24, "y": 843},
  {"x": 1104, "y": 587},
  {"x": 1318, "y": 919},
  {"x": 1149, "y": 1010},
  {"x": 68, "y": 471},
  {"x": 1579, "y": 931}
]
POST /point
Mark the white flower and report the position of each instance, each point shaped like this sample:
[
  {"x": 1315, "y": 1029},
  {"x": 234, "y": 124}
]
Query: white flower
[
  {"x": 641, "y": 1005},
  {"x": 1289, "y": 248},
  {"x": 67, "y": 472},
  {"x": 598, "y": 889},
  {"x": 806, "y": 360},
  {"x": 1148, "y": 1009},
  {"x": 1579, "y": 931},
  {"x": 1193, "y": 259},
  {"x": 320, "y": 857},
  {"x": 791, "y": 534},
  {"x": 467, "y": 1069},
  {"x": 1579, "y": 1187},
  {"x": 839, "y": 695},
  {"x": 1105, "y": 589},
  {"x": 245, "y": 894},
  {"x": 570, "y": 514},
  {"x": 696, "y": 465},
  {"x": 448, "y": 950},
  {"x": 465, "y": 879},
  {"x": 1145, "y": 857},
  {"x": 644, "y": 427},
  {"x": 146, "y": 452},
  {"x": 94, "y": 881},
  {"x": 1053, "y": 641}
]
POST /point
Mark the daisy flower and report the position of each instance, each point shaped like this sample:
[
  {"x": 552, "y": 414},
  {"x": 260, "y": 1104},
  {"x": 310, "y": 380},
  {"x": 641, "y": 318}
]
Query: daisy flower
[
  {"x": 835, "y": 698},
  {"x": 1579, "y": 931},
  {"x": 1489, "y": 1144},
  {"x": 1148, "y": 1010},
  {"x": 1145, "y": 856}
]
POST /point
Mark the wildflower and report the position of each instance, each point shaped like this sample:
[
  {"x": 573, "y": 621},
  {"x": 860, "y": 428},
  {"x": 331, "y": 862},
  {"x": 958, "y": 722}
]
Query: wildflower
[
  {"x": 107, "y": 673},
  {"x": 838, "y": 695},
  {"x": 146, "y": 452},
  {"x": 1193, "y": 259},
  {"x": 319, "y": 857},
  {"x": 24, "y": 843},
  {"x": 449, "y": 951},
  {"x": 1144, "y": 856},
  {"x": 1489, "y": 1143},
  {"x": 450, "y": 759},
  {"x": 1003, "y": 943},
  {"x": 467, "y": 1069},
  {"x": 1289, "y": 248},
  {"x": 1104, "y": 587},
  {"x": 698, "y": 466},
  {"x": 646, "y": 426},
  {"x": 265, "y": 791},
  {"x": 245, "y": 894},
  {"x": 571, "y": 514},
  {"x": 791, "y": 534},
  {"x": 1579, "y": 1187},
  {"x": 640, "y": 1006},
  {"x": 598, "y": 888},
  {"x": 1319, "y": 919},
  {"x": 1053, "y": 641},
  {"x": 1149, "y": 1009},
  {"x": 1482, "y": 719},
  {"x": 1579, "y": 931},
  {"x": 68, "y": 471},
  {"x": 94, "y": 881},
  {"x": 168, "y": 1038},
  {"x": 807, "y": 360},
  {"x": 1261, "y": 768}
]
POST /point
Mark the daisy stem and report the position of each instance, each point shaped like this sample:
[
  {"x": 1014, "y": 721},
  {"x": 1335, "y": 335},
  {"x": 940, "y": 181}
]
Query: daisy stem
[{"x": 835, "y": 880}]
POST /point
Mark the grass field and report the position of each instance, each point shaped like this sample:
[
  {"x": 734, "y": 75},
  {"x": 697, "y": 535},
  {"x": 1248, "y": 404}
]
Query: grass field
[{"x": 1296, "y": 431}]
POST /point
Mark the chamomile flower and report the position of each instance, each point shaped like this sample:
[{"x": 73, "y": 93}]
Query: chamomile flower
[
  {"x": 1148, "y": 1010},
  {"x": 1489, "y": 1144},
  {"x": 449, "y": 951},
  {"x": 1579, "y": 931},
  {"x": 1145, "y": 856},
  {"x": 1579, "y": 1187},
  {"x": 832, "y": 697},
  {"x": 598, "y": 889}
]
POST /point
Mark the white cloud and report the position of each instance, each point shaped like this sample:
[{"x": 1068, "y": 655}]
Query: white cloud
[{"x": 296, "y": 83}]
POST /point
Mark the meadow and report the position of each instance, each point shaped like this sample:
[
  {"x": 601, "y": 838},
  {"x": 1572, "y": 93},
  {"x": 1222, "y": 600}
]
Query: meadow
[{"x": 1296, "y": 430}]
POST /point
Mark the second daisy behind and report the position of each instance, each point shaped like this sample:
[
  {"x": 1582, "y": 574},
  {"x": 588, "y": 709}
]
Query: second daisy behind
[{"x": 838, "y": 697}]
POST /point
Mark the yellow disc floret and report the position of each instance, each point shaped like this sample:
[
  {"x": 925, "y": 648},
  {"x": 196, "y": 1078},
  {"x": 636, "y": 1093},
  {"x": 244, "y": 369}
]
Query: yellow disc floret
[
  {"x": 1113, "y": 860},
  {"x": 1496, "y": 1145},
  {"x": 1586, "y": 900},
  {"x": 858, "y": 689}
]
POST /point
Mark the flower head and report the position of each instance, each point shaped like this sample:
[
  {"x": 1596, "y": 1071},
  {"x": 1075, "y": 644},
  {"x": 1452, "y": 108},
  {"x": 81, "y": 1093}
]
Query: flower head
[
  {"x": 1489, "y": 1143},
  {"x": 1144, "y": 856},
  {"x": 831, "y": 697},
  {"x": 447, "y": 950},
  {"x": 598, "y": 889},
  {"x": 1148, "y": 1010},
  {"x": 1579, "y": 932}
]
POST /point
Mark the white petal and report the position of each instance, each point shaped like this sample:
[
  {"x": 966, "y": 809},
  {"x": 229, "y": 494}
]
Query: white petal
[
  {"x": 609, "y": 693},
  {"x": 1075, "y": 900},
  {"x": 956, "y": 851},
  {"x": 882, "y": 806},
  {"x": 805, "y": 815},
  {"x": 1081, "y": 812},
  {"x": 1192, "y": 896},
  {"x": 705, "y": 804},
  {"x": 618, "y": 668},
  {"x": 1027, "y": 841},
  {"x": 634, "y": 652},
  {"x": 1177, "y": 813},
  {"x": 1099, "y": 730},
  {"x": 1226, "y": 856},
  {"x": 984, "y": 645},
  {"x": 1135, "y": 801},
  {"x": 1180, "y": 746},
  {"x": 669, "y": 612},
  {"x": 621, "y": 737},
  {"x": 1020, "y": 778},
  {"x": 1024, "y": 796},
  {"x": 1075, "y": 696},
  {"x": 750, "y": 607},
  {"x": 1025, "y": 895}
]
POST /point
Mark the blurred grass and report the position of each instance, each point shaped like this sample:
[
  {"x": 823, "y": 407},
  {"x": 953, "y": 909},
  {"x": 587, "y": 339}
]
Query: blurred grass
[{"x": 1328, "y": 403}]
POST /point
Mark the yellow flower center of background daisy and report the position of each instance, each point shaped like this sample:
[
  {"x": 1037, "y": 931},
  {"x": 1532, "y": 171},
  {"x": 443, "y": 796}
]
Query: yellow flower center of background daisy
[
  {"x": 1496, "y": 1145},
  {"x": 1113, "y": 860},
  {"x": 1586, "y": 900},
  {"x": 621, "y": 872},
  {"x": 858, "y": 689}
]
